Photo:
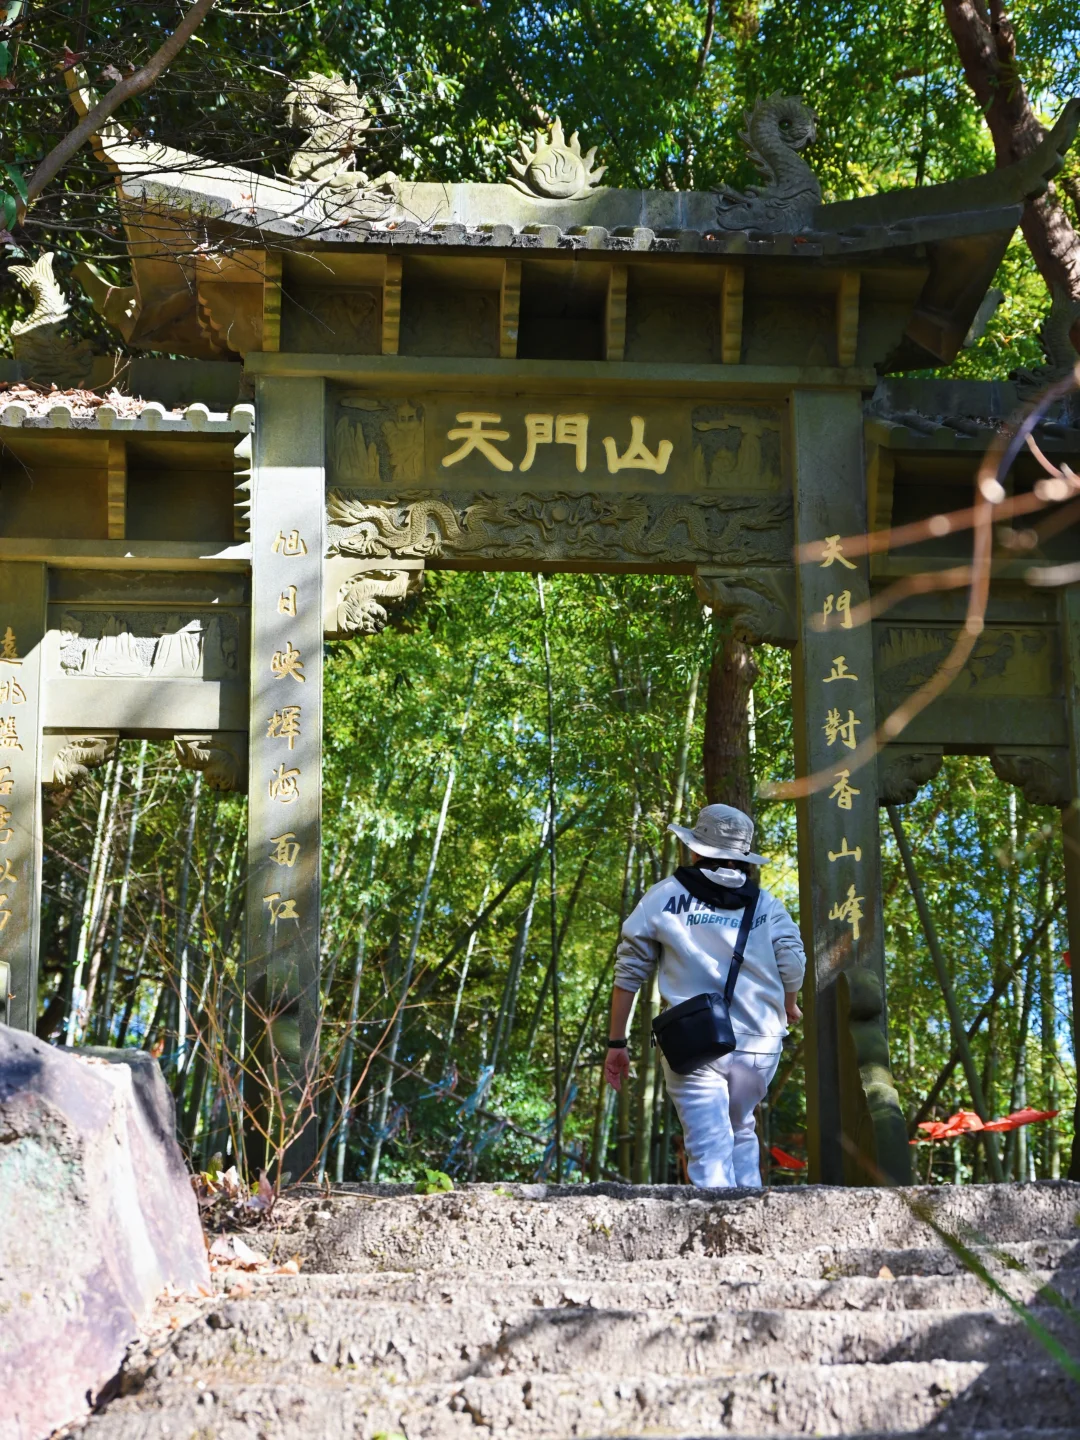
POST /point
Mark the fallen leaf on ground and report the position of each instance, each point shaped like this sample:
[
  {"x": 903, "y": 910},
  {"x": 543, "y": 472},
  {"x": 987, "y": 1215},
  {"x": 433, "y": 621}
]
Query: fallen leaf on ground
[{"x": 245, "y": 1254}]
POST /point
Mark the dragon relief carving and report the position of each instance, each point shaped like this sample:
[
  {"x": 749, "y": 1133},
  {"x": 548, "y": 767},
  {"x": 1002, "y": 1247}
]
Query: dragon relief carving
[
  {"x": 1042, "y": 772},
  {"x": 71, "y": 768},
  {"x": 222, "y": 758},
  {"x": 363, "y": 597},
  {"x": 44, "y": 353},
  {"x": 776, "y": 130},
  {"x": 904, "y": 769},
  {"x": 759, "y": 603},
  {"x": 731, "y": 529}
]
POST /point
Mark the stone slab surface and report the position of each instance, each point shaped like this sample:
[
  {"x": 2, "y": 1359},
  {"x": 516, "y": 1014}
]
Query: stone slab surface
[
  {"x": 98, "y": 1216},
  {"x": 491, "y": 1227},
  {"x": 603, "y": 1312}
]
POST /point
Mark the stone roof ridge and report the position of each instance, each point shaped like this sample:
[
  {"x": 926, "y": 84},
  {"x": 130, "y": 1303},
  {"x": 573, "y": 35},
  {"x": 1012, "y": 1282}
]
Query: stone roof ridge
[
  {"x": 31, "y": 407},
  {"x": 554, "y": 200},
  {"x": 960, "y": 410}
]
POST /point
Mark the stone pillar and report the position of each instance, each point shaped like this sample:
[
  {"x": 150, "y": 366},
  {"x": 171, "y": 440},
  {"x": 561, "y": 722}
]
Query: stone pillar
[
  {"x": 1069, "y": 611},
  {"x": 23, "y": 597},
  {"x": 285, "y": 764},
  {"x": 853, "y": 1110}
]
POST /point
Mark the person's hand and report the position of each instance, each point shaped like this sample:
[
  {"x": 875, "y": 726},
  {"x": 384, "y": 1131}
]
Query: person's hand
[
  {"x": 616, "y": 1066},
  {"x": 791, "y": 1006}
]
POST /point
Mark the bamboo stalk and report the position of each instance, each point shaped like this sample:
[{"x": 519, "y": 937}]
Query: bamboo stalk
[
  {"x": 545, "y": 984},
  {"x": 89, "y": 905},
  {"x": 504, "y": 1025},
  {"x": 1000, "y": 986},
  {"x": 535, "y": 857},
  {"x": 125, "y": 882},
  {"x": 956, "y": 1021},
  {"x": 133, "y": 993},
  {"x": 410, "y": 963},
  {"x": 180, "y": 951},
  {"x": 556, "y": 1038}
]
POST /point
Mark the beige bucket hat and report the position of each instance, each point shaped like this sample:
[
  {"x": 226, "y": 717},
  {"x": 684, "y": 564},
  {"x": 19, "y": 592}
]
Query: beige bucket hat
[{"x": 721, "y": 833}]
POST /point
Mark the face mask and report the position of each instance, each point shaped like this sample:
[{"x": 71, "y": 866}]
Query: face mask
[{"x": 733, "y": 879}]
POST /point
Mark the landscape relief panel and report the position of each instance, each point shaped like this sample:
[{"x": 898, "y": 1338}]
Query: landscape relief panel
[
  {"x": 578, "y": 443},
  {"x": 145, "y": 644},
  {"x": 1016, "y": 661}
]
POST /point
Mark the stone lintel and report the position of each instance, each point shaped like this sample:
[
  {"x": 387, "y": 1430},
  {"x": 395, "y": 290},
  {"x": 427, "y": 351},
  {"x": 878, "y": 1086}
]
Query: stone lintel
[{"x": 545, "y": 376}]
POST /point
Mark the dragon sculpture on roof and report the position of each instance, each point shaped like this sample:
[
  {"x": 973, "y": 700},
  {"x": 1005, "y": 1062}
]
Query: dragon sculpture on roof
[
  {"x": 776, "y": 130},
  {"x": 45, "y": 354}
]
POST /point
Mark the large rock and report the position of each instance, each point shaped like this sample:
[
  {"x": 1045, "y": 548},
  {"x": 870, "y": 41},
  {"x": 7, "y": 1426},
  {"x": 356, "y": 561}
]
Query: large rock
[{"x": 97, "y": 1216}]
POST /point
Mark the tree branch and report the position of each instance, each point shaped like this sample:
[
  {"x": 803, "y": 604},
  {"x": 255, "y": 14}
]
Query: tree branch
[
  {"x": 706, "y": 42},
  {"x": 125, "y": 89},
  {"x": 986, "y": 43}
]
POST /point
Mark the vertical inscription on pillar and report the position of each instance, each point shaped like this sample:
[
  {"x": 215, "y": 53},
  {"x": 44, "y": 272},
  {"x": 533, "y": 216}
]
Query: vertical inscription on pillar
[
  {"x": 839, "y": 843},
  {"x": 284, "y": 785},
  {"x": 22, "y": 628},
  {"x": 840, "y": 726}
]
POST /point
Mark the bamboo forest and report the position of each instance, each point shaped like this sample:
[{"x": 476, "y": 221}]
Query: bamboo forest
[{"x": 442, "y": 951}]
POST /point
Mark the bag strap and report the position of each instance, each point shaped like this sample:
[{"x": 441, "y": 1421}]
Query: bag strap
[{"x": 740, "y": 945}]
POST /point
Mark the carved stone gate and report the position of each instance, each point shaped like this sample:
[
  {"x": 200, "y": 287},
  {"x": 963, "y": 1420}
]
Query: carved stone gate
[{"x": 537, "y": 375}]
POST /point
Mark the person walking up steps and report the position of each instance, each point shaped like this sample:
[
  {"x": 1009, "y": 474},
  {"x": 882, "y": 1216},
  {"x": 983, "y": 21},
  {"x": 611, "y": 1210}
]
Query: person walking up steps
[{"x": 723, "y": 1027}]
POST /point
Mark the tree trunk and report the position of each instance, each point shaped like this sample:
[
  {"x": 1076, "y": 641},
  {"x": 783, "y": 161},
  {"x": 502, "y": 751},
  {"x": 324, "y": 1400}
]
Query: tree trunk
[
  {"x": 987, "y": 45},
  {"x": 726, "y": 749}
]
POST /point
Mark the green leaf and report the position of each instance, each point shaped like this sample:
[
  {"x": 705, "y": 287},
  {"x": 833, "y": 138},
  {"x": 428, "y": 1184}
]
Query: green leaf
[
  {"x": 11, "y": 211},
  {"x": 435, "y": 1182},
  {"x": 5, "y": 58},
  {"x": 17, "y": 180}
]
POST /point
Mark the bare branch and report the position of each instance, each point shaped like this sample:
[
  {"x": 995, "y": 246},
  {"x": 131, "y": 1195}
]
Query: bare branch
[{"x": 123, "y": 90}]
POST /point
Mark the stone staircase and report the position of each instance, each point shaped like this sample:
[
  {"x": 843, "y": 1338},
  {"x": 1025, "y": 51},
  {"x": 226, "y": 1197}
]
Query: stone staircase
[{"x": 548, "y": 1312}]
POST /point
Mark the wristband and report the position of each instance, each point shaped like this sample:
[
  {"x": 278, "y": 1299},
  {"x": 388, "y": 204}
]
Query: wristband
[{"x": 616, "y": 1044}]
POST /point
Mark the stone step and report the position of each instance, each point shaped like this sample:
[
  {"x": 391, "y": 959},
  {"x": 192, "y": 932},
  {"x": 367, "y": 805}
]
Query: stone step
[
  {"x": 708, "y": 1284},
  {"x": 257, "y": 1339},
  {"x": 957, "y": 1398},
  {"x": 490, "y": 1228}
]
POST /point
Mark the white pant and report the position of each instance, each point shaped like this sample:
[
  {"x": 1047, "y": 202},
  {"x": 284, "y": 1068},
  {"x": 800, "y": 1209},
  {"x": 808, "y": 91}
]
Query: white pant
[{"x": 716, "y": 1109}]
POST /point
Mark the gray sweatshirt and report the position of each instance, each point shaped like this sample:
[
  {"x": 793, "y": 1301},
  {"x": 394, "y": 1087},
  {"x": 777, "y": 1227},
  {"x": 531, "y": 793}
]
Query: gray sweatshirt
[{"x": 693, "y": 944}]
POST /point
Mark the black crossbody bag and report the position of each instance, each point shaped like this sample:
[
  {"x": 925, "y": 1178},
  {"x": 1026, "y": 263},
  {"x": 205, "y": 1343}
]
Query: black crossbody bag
[{"x": 699, "y": 1029}]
